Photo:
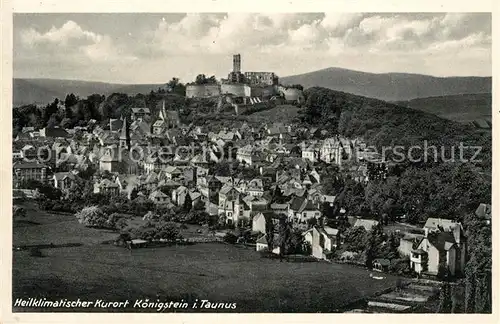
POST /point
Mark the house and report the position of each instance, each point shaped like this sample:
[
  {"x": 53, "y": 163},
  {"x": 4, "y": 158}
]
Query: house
[
  {"x": 302, "y": 209},
  {"x": 368, "y": 224},
  {"x": 63, "y": 180},
  {"x": 179, "y": 195},
  {"x": 280, "y": 209},
  {"x": 331, "y": 151},
  {"x": 244, "y": 154},
  {"x": 173, "y": 173},
  {"x": 109, "y": 161},
  {"x": 328, "y": 199},
  {"x": 255, "y": 188},
  {"x": 408, "y": 243},
  {"x": 262, "y": 244},
  {"x": 106, "y": 186},
  {"x": 310, "y": 152},
  {"x": 381, "y": 265},
  {"x": 140, "y": 113},
  {"x": 323, "y": 240},
  {"x": 259, "y": 223},
  {"x": 26, "y": 171},
  {"x": 444, "y": 246},
  {"x": 159, "y": 197}
]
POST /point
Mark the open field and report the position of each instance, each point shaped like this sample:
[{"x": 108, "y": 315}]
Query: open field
[
  {"x": 40, "y": 227},
  {"x": 217, "y": 272}
]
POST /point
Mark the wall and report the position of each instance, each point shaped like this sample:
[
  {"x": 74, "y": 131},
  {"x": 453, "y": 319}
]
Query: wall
[
  {"x": 239, "y": 90},
  {"x": 265, "y": 92},
  {"x": 202, "y": 90}
]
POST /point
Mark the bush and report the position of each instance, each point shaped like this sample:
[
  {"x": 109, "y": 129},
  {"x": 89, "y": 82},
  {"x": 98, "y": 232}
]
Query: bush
[
  {"x": 92, "y": 216},
  {"x": 230, "y": 238},
  {"x": 400, "y": 266}
]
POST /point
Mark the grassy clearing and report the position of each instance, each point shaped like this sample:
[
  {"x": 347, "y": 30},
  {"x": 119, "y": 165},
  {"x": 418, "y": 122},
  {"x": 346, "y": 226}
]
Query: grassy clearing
[{"x": 217, "y": 272}]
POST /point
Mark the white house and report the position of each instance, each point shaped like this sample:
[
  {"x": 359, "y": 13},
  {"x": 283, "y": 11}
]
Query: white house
[
  {"x": 262, "y": 244},
  {"x": 323, "y": 240}
]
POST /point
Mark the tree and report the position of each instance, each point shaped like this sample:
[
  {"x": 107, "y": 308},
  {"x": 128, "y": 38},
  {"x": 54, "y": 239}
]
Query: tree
[
  {"x": 113, "y": 220},
  {"x": 327, "y": 210},
  {"x": 66, "y": 123},
  {"x": 470, "y": 292},
  {"x": 69, "y": 102},
  {"x": 18, "y": 211},
  {"x": 166, "y": 231},
  {"x": 188, "y": 203},
  {"x": 134, "y": 194},
  {"x": 92, "y": 216},
  {"x": 270, "y": 234},
  {"x": 151, "y": 216},
  {"x": 230, "y": 238},
  {"x": 355, "y": 239},
  {"x": 284, "y": 232},
  {"x": 373, "y": 245},
  {"x": 391, "y": 248},
  {"x": 445, "y": 302},
  {"x": 199, "y": 205}
]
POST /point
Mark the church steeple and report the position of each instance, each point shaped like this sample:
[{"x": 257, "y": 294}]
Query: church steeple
[
  {"x": 124, "y": 135},
  {"x": 163, "y": 112}
]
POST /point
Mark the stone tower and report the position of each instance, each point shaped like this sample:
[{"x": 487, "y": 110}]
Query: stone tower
[{"x": 237, "y": 63}]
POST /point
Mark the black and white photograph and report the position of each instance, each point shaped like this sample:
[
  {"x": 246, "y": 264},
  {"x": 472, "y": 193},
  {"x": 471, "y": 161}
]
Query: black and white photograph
[{"x": 225, "y": 162}]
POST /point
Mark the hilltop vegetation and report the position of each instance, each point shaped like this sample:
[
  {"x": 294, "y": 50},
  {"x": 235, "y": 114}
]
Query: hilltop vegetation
[
  {"x": 461, "y": 108},
  {"x": 44, "y": 91}
]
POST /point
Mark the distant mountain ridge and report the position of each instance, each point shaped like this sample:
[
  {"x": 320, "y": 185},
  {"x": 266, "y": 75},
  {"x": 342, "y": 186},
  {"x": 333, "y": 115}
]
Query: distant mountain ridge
[
  {"x": 390, "y": 86},
  {"x": 43, "y": 91},
  {"x": 387, "y": 86}
]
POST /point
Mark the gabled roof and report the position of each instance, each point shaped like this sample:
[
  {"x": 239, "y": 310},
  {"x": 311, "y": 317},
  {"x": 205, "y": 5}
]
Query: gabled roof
[
  {"x": 443, "y": 241},
  {"x": 330, "y": 231},
  {"x": 157, "y": 194},
  {"x": 366, "y": 223},
  {"x": 297, "y": 203},
  {"x": 436, "y": 223},
  {"x": 141, "y": 110},
  {"x": 63, "y": 175},
  {"x": 28, "y": 165}
]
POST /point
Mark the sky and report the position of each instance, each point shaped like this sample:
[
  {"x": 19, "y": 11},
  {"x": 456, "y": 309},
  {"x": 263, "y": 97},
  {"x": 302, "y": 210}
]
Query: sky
[{"x": 153, "y": 48}]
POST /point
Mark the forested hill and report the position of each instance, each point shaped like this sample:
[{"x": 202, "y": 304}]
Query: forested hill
[
  {"x": 390, "y": 86},
  {"x": 385, "y": 124},
  {"x": 44, "y": 91},
  {"x": 444, "y": 188}
]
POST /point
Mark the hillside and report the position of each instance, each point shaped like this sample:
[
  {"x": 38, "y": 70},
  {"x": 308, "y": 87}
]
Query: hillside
[
  {"x": 390, "y": 86},
  {"x": 43, "y": 91},
  {"x": 461, "y": 108},
  {"x": 386, "y": 124}
]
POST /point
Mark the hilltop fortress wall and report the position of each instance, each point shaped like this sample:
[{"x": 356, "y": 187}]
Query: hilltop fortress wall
[
  {"x": 202, "y": 90},
  {"x": 237, "y": 89}
]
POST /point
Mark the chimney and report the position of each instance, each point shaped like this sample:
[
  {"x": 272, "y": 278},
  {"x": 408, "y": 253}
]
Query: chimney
[{"x": 426, "y": 232}]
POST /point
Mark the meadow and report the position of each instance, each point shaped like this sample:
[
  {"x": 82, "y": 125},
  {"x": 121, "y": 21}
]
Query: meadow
[{"x": 213, "y": 271}]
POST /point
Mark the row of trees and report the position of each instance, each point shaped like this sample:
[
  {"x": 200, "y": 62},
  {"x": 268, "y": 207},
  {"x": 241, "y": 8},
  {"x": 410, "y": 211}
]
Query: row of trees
[{"x": 77, "y": 111}]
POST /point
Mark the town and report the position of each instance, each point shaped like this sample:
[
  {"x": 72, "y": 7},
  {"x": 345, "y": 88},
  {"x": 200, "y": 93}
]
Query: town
[{"x": 285, "y": 190}]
